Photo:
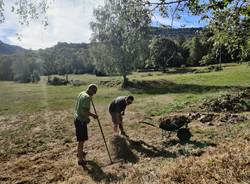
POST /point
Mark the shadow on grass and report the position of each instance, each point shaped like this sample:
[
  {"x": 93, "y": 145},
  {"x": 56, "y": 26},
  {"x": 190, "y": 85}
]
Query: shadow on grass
[
  {"x": 97, "y": 174},
  {"x": 197, "y": 144},
  {"x": 148, "y": 150},
  {"x": 163, "y": 86},
  {"x": 195, "y": 150}
]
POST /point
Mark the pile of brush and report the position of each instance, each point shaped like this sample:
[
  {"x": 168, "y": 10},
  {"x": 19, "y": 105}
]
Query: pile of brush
[
  {"x": 229, "y": 103},
  {"x": 120, "y": 149}
]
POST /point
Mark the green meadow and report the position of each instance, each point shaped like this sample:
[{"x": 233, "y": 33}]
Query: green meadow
[{"x": 151, "y": 90}]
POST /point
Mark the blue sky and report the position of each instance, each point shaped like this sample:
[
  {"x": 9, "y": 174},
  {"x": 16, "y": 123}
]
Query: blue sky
[{"x": 68, "y": 22}]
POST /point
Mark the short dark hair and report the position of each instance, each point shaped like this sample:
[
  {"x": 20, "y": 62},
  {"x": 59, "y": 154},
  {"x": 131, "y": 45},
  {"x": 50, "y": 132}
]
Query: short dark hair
[{"x": 130, "y": 98}]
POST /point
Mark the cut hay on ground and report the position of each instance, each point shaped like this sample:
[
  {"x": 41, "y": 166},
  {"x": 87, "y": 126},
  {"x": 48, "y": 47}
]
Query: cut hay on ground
[{"x": 120, "y": 150}]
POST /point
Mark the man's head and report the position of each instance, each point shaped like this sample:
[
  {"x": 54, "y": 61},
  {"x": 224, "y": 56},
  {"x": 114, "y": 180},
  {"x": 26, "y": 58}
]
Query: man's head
[
  {"x": 92, "y": 89},
  {"x": 129, "y": 100}
]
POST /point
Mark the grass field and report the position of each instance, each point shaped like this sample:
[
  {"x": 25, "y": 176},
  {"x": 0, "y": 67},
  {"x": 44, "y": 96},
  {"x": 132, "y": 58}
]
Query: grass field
[
  {"x": 37, "y": 143},
  {"x": 180, "y": 88}
]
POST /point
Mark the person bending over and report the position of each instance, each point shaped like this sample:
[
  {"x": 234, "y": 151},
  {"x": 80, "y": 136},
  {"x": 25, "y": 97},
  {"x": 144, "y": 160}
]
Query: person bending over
[{"x": 117, "y": 110}]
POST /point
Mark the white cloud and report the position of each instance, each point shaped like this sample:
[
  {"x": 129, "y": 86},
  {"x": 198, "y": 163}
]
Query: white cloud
[{"x": 68, "y": 22}]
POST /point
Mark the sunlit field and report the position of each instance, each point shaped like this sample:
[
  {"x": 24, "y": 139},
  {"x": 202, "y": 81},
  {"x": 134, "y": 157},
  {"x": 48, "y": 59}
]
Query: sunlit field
[
  {"x": 23, "y": 98},
  {"x": 37, "y": 141}
]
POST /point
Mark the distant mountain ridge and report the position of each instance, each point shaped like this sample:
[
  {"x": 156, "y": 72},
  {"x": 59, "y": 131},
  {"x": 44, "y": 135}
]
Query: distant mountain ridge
[
  {"x": 10, "y": 49},
  {"x": 171, "y": 33},
  {"x": 61, "y": 45},
  {"x": 174, "y": 32}
]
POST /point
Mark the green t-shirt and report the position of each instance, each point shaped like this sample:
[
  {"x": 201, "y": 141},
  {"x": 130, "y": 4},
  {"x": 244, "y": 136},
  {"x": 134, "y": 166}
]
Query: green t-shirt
[{"x": 82, "y": 107}]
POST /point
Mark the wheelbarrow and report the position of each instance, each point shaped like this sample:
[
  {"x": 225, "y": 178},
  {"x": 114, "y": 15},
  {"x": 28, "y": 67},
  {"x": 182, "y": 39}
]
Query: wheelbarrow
[{"x": 177, "y": 124}]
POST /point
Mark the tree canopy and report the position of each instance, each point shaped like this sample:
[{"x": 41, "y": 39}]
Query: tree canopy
[
  {"x": 162, "y": 51},
  {"x": 121, "y": 43},
  {"x": 121, "y": 26}
]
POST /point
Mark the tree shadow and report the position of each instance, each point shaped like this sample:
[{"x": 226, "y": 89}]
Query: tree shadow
[
  {"x": 163, "y": 86},
  {"x": 197, "y": 144},
  {"x": 148, "y": 150},
  {"x": 97, "y": 174}
]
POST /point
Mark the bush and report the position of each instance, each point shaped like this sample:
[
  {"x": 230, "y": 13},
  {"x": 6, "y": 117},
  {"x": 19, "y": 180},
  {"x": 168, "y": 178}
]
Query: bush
[
  {"x": 35, "y": 77},
  {"x": 57, "y": 81}
]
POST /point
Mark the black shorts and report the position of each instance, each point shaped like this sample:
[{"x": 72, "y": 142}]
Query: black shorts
[{"x": 81, "y": 130}]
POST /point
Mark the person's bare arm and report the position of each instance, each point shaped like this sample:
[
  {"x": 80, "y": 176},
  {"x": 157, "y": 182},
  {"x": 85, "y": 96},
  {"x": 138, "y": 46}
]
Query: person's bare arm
[
  {"x": 93, "y": 115},
  {"x": 88, "y": 113}
]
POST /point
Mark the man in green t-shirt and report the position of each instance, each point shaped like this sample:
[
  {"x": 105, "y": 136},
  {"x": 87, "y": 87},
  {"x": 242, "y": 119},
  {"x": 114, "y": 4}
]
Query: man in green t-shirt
[{"x": 81, "y": 119}]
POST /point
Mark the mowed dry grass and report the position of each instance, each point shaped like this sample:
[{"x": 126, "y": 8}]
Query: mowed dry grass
[{"x": 215, "y": 154}]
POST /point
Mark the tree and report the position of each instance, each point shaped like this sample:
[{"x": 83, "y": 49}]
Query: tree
[
  {"x": 162, "y": 51},
  {"x": 196, "y": 51},
  {"x": 49, "y": 65},
  {"x": 230, "y": 31},
  {"x": 27, "y": 10},
  {"x": 25, "y": 68},
  {"x": 5, "y": 67},
  {"x": 102, "y": 59},
  {"x": 121, "y": 26},
  {"x": 64, "y": 59}
]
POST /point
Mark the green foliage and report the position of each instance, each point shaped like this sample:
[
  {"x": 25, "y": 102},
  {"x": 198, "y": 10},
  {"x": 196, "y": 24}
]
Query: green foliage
[
  {"x": 196, "y": 52},
  {"x": 230, "y": 31},
  {"x": 5, "y": 68},
  {"x": 121, "y": 26},
  {"x": 66, "y": 59},
  {"x": 102, "y": 59},
  {"x": 228, "y": 24},
  {"x": 22, "y": 67},
  {"x": 25, "y": 70},
  {"x": 162, "y": 51},
  {"x": 35, "y": 76}
]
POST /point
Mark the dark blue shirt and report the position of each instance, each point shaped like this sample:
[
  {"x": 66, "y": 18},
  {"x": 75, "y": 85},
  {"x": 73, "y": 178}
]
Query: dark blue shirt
[{"x": 118, "y": 105}]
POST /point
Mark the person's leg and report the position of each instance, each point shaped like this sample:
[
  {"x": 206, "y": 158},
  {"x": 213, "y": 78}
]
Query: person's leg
[
  {"x": 115, "y": 124},
  {"x": 121, "y": 128},
  {"x": 80, "y": 153},
  {"x": 120, "y": 124},
  {"x": 115, "y": 128},
  {"x": 82, "y": 136}
]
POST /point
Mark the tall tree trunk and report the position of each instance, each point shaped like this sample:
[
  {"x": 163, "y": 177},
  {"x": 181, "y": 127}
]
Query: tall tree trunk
[
  {"x": 125, "y": 81},
  {"x": 67, "y": 77},
  {"x": 48, "y": 78},
  {"x": 164, "y": 69}
]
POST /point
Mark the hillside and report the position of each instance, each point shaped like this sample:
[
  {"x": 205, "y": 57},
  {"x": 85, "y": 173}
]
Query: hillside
[
  {"x": 9, "y": 49},
  {"x": 154, "y": 31},
  {"x": 174, "y": 33},
  {"x": 64, "y": 45}
]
